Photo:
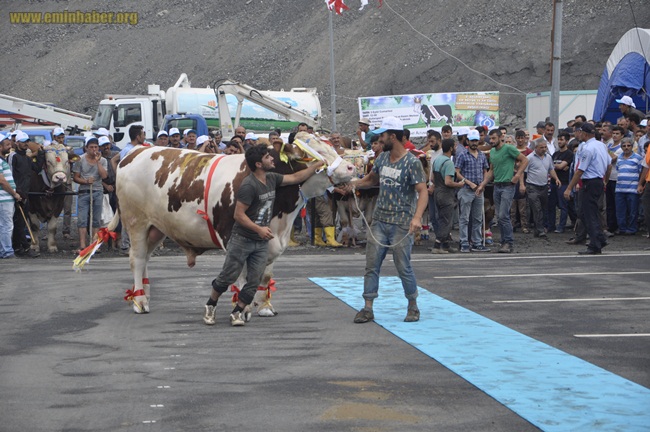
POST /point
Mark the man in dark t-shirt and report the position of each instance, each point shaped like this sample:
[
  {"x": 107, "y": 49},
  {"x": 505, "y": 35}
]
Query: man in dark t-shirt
[
  {"x": 251, "y": 232},
  {"x": 562, "y": 160}
]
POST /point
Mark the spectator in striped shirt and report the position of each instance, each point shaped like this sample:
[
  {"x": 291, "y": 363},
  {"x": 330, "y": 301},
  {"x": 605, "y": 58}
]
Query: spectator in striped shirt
[
  {"x": 8, "y": 195},
  {"x": 629, "y": 169}
]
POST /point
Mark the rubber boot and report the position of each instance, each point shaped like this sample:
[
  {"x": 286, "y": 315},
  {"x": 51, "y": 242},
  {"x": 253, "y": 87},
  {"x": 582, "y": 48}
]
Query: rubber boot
[
  {"x": 318, "y": 237},
  {"x": 292, "y": 239},
  {"x": 330, "y": 235}
]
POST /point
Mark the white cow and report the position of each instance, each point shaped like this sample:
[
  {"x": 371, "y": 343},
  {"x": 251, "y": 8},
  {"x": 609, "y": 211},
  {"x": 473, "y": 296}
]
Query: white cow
[{"x": 189, "y": 197}]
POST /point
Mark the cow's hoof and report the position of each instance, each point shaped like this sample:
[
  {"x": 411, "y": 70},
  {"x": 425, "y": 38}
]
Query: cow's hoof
[
  {"x": 140, "y": 308},
  {"x": 247, "y": 314},
  {"x": 266, "y": 312},
  {"x": 53, "y": 250}
]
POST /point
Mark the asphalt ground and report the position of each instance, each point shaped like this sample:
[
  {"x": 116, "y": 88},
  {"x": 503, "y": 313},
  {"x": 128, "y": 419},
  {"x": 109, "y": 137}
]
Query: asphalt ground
[{"x": 74, "y": 357}]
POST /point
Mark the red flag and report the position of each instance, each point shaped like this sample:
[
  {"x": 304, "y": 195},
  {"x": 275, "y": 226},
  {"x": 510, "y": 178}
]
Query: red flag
[{"x": 337, "y": 5}]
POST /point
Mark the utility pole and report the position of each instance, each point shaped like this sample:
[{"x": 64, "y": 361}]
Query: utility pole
[
  {"x": 556, "y": 63},
  {"x": 332, "y": 77}
]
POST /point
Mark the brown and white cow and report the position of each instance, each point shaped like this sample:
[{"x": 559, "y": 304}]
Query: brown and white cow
[
  {"x": 189, "y": 197},
  {"x": 47, "y": 193}
]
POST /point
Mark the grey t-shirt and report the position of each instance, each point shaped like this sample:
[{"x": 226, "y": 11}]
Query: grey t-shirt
[
  {"x": 87, "y": 170},
  {"x": 259, "y": 197}
]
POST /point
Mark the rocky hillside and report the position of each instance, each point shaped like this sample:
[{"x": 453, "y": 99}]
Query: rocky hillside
[{"x": 274, "y": 44}]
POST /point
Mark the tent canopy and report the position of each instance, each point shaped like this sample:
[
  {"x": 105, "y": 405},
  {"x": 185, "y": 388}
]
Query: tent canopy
[{"x": 627, "y": 73}]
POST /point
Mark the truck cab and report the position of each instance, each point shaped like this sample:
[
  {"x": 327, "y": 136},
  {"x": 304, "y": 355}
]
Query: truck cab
[
  {"x": 118, "y": 113},
  {"x": 187, "y": 121}
]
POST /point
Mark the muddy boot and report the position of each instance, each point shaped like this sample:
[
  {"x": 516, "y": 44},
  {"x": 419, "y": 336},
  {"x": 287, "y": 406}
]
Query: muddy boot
[
  {"x": 318, "y": 237},
  {"x": 330, "y": 234}
]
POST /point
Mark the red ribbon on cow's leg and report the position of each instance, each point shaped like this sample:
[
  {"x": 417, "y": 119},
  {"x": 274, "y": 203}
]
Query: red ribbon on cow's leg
[
  {"x": 235, "y": 296},
  {"x": 146, "y": 287},
  {"x": 269, "y": 288},
  {"x": 131, "y": 294}
]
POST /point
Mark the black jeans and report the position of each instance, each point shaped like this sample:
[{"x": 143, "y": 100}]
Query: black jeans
[
  {"x": 538, "y": 204},
  {"x": 593, "y": 191}
]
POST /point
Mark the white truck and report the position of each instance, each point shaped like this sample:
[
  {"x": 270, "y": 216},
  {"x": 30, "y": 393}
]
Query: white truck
[{"x": 202, "y": 109}]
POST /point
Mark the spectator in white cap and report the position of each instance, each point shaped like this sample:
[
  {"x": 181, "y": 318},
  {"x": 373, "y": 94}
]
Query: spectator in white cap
[
  {"x": 627, "y": 107},
  {"x": 12, "y": 136},
  {"x": 189, "y": 139},
  {"x": 398, "y": 216},
  {"x": 162, "y": 139},
  {"x": 364, "y": 133},
  {"x": 174, "y": 138},
  {"x": 101, "y": 132},
  {"x": 249, "y": 140},
  {"x": 22, "y": 167},
  {"x": 205, "y": 144},
  {"x": 645, "y": 139},
  {"x": 58, "y": 132},
  {"x": 59, "y": 137},
  {"x": 89, "y": 172}
]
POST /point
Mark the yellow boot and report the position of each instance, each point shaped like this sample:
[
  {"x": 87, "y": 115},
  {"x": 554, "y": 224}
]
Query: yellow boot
[
  {"x": 292, "y": 239},
  {"x": 330, "y": 235},
  {"x": 318, "y": 237}
]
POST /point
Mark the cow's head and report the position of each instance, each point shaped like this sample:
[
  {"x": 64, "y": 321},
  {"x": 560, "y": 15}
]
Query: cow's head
[
  {"x": 337, "y": 169},
  {"x": 57, "y": 166}
]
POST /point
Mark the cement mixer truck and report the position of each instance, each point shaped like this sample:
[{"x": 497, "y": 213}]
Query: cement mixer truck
[{"x": 207, "y": 109}]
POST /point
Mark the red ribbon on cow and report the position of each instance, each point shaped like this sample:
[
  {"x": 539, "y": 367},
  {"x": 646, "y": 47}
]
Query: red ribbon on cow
[
  {"x": 145, "y": 281},
  {"x": 104, "y": 235},
  {"x": 303, "y": 213},
  {"x": 204, "y": 213},
  {"x": 235, "y": 290},
  {"x": 131, "y": 295},
  {"x": 269, "y": 289}
]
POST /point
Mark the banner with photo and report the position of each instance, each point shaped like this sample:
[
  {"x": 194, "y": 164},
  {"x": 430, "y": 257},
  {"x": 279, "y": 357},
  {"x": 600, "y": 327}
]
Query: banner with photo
[{"x": 421, "y": 112}]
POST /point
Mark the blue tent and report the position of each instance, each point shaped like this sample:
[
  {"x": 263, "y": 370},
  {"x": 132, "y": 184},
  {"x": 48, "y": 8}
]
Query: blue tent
[{"x": 627, "y": 72}]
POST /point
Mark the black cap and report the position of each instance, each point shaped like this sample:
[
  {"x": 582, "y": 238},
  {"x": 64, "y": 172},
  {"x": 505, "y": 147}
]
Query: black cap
[
  {"x": 587, "y": 128},
  {"x": 540, "y": 125}
]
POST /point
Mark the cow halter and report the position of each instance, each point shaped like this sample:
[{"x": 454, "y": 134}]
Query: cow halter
[
  {"x": 204, "y": 213},
  {"x": 309, "y": 150}
]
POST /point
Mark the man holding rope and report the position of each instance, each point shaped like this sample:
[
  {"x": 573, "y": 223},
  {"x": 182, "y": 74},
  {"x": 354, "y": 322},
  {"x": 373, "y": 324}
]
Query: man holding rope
[
  {"x": 398, "y": 216},
  {"x": 89, "y": 172}
]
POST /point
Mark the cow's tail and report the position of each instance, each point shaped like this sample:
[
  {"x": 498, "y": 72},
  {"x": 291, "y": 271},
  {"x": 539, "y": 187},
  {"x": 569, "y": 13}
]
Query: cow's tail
[
  {"x": 103, "y": 236},
  {"x": 115, "y": 221}
]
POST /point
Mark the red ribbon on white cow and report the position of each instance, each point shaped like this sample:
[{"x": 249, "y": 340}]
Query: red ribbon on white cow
[{"x": 204, "y": 213}]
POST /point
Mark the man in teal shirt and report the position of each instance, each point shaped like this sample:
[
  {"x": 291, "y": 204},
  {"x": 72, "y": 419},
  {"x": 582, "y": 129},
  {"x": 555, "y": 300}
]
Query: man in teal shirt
[{"x": 502, "y": 167}]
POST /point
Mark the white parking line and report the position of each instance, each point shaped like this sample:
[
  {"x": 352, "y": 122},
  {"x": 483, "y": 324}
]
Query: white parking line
[
  {"x": 509, "y": 257},
  {"x": 510, "y": 275},
  {"x": 612, "y": 335},
  {"x": 573, "y": 300}
]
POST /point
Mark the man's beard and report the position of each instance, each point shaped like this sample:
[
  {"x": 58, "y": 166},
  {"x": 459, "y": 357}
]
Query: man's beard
[{"x": 387, "y": 146}]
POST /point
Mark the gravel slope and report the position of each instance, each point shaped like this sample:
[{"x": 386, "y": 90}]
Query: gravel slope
[{"x": 273, "y": 44}]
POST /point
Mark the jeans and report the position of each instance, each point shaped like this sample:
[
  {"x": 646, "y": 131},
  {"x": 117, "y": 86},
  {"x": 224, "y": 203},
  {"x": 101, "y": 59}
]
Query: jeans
[
  {"x": 389, "y": 234},
  {"x": 252, "y": 253},
  {"x": 445, "y": 205},
  {"x": 503, "y": 196},
  {"x": 610, "y": 206},
  {"x": 6, "y": 228},
  {"x": 556, "y": 200},
  {"x": 471, "y": 206},
  {"x": 645, "y": 203},
  {"x": 538, "y": 204},
  {"x": 592, "y": 194},
  {"x": 627, "y": 211},
  {"x": 83, "y": 214},
  {"x": 433, "y": 213}
]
